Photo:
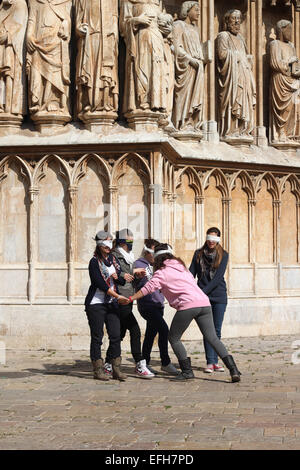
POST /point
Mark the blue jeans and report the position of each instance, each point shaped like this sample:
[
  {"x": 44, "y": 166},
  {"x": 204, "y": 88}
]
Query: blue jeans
[{"x": 218, "y": 311}]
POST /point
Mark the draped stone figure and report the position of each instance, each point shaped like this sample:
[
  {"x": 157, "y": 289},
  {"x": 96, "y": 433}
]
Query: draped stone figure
[
  {"x": 285, "y": 87},
  {"x": 48, "y": 60},
  {"x": 97, "y": 60},
  {"x": 166, "y": 24},
  {"x": 189, "y": 73},
  {"x": 236, "y": 80},
  {"x": 145, "y": 91},
  {"x": 13, "y": 22}
]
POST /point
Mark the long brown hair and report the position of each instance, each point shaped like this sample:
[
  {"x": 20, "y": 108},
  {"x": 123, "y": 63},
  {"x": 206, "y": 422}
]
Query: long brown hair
[
  {"x": 160, "y": 259},
  {"x": 219, "y": 249}
]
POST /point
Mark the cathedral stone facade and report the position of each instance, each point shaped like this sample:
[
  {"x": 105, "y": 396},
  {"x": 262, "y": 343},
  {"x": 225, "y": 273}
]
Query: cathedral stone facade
[{"x": 163, "y": 116}]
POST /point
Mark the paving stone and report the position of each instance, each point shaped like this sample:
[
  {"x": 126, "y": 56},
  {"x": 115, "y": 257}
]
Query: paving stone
[{"x": 53, "y": 402}]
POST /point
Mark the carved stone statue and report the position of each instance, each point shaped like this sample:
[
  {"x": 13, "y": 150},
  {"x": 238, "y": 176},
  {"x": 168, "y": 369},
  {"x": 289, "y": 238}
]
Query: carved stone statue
[
  {"x": 189, "y": 73},
  {"x": 13, "y": 22},
  {"x": 48, "y": 60},
  {"x": 166, "y": 24},
  {"x": 97, "y": 60},
  {"x": 145, "y": 90},
  {"x": 236, "y": 81},
  {"x": 285, "y": 87}
]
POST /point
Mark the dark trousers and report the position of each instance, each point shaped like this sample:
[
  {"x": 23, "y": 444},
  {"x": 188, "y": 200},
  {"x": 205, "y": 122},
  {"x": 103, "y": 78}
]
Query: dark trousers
[
  {"x": 218, "y": 311},
  {"x": 153, "y": 315},
  {"x": 98, "y": 314},
  {"x": 129, "y": 322}
]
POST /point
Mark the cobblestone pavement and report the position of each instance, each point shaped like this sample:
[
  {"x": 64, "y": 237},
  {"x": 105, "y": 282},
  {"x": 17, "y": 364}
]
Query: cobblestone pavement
[{"x": 49, "y": 400}]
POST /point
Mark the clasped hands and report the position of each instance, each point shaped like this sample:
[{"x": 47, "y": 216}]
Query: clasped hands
[{"x": 123, "y": 300}]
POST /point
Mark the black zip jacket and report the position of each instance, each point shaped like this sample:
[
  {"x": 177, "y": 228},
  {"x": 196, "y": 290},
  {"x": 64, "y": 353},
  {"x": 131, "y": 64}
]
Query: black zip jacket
[{"x": 97, "y": 280}]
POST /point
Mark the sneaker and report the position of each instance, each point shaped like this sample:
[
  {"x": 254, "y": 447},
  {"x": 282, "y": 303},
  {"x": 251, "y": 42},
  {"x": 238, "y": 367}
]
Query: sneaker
[
  {"x": 108, "y": 369},
  {"x": 170, "y": 369},
  {"x": 153, "y": 371},
  {"x": 209, "y": 369},
  {"x": 218, "y": 368},
  {"x": 142, "y": 370}
]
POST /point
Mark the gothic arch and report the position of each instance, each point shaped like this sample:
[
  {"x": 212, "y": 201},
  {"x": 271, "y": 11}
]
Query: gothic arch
[
  {"x": 295, "y": 185},
  {"x": 25, "y": 169},
  {"x": 247, "y": 183},
  {"x": 221, "y": 181},
  {"x": 272, "y": 185},
  {"x": 194, "y": 180},
  {"x": 142, "y": 168},
  {"x": 80, "y": 168},
  {"x": 39, "y": 171}
]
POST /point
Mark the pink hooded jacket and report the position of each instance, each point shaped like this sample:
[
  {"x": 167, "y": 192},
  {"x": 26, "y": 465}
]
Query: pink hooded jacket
[{"x": 178, "y": 285}]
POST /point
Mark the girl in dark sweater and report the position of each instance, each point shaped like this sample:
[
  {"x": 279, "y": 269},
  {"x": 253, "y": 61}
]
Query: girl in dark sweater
[
  {"x": 101, "y": 306},
  {"x": 151, "y": 308},
  {"x": 209, "y": 265}
]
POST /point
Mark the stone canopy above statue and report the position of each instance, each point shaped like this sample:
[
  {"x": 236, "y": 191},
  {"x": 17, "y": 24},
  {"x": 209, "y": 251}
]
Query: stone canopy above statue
[{"x": 191, "y": 70}]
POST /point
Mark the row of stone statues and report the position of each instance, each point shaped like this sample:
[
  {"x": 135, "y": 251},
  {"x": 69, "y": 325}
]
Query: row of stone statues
[{"x": 164, "y": 69}]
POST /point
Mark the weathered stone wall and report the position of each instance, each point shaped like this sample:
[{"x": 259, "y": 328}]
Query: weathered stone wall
[{"x": 58, "y": 188}]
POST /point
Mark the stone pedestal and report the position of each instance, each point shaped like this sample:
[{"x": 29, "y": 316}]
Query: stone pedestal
[
  {"x": 47, "y": 123},
  {"x": 238, "y": 141},
  {"x": 189, "y": 135},
  {"x": 261, "y": 137},
  {"x": 144, "y": 120},
  {"x": 210, "y": 131},
  {"x": 99, "y": 122},
  {"x": 287, "y": 147},
  {"x": 10, "y": 122}
]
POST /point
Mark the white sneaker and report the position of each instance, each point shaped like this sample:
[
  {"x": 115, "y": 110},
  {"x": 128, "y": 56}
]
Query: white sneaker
[
  {"x": 108, "y": 369},
  {"x": 142, "y": 370},
  {"x": 218, "y": 368},
  {"x": 209, "y": 369},
  {"x": 170, "y": 369}
]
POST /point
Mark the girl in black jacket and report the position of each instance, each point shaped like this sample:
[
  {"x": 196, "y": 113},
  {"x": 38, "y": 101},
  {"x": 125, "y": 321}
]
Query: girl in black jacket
[
  {"x": 101, "y": 306},
  {"x": 209, "y": 264}
]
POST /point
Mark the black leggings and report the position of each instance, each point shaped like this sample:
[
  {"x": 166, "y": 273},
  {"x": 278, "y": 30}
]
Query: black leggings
[
  {"x": 98, "y": 314},
  {"x": 153, "y": 314}
]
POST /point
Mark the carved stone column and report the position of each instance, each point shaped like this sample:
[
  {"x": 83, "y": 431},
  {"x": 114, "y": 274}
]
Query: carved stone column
[
  {"x": 251, "y": 230},
  {"x": 173, "y": 198},
  {"x": 296, "y": 23},
  {"x": 226, "y": 204},
  {"x": 166, "y": 216},
  {"x": 211, "y": 126},
  {"x": 260, "y": 130},
  {"x": 113, "y": 208},
  {"x": 33, "y": 242},
  {"x": 71, "y": 230},
  {"x": 298, "y": 231},
  {"x": 276, "y": 230},
  {"x": 199, "y": 220},
  {"x": 226, "y": 209},
  {"x": 251, "y": 240},
  {"x": 276, "y": 219}
]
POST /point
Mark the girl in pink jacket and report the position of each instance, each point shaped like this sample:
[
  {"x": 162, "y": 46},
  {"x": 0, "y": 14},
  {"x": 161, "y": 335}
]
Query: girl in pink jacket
[{"x": 179, "y": 287}]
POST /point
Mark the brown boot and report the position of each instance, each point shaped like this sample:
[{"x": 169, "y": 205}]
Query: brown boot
[
  {"x": 99, "y": 373},
  {"x": 117, "y": 374}
]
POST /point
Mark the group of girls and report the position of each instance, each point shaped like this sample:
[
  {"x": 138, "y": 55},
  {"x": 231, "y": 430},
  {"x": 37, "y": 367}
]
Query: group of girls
[{"x": 117, "y": 280}]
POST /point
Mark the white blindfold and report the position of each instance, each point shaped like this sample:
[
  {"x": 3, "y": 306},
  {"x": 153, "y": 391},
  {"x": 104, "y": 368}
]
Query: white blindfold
[{"x": 213, "y": 238}]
